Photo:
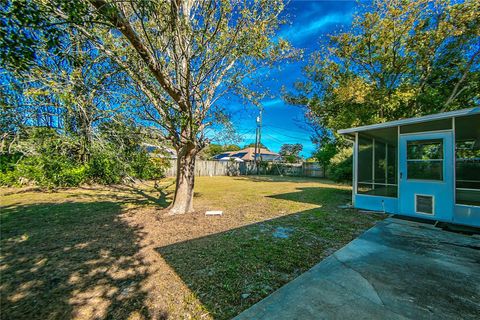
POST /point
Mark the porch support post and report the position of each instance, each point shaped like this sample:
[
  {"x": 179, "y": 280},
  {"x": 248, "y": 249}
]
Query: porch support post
[
  {"x": 373, "y": 163},
  {"x": 454, "y": 160},
  {"x": 355, "y": 168},
  {"x": 386, "y": 164},
  {"x": 398, "y": 166}
]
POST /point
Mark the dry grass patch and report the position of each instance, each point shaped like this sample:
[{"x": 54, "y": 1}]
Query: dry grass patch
[{"x": 97, "y": 252}]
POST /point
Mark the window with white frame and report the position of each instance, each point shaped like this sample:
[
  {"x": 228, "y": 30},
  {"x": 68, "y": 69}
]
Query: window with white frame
[{"x": 425, "y": 159}]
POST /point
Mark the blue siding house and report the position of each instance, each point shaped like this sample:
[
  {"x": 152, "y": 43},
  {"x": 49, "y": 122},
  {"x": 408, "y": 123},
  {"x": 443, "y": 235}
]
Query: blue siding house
[{"x": 425, "y": 167}]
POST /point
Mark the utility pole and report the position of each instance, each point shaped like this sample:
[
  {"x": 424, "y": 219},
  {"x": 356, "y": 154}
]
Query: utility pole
[
  {"x": 255, "y": 152},
  {"x": 258, "y": 139}
]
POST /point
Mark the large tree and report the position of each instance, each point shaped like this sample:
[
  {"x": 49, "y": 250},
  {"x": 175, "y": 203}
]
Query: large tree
[
  {"x": 182, "y": 55},
  {"x": 81, "y": 86},
  {"x": 399, "y": 59}
]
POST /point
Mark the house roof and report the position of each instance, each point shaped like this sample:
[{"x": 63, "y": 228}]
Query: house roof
[
  {"x": 248, "y": 154},
  {"x": 167, "y": 152},
  {"x": 431, "y": 117},
  {"x": 231, "y": 159}
]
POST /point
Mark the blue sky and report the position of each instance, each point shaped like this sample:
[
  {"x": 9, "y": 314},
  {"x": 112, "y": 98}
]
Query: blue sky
[{"x": 309, "y": 21}]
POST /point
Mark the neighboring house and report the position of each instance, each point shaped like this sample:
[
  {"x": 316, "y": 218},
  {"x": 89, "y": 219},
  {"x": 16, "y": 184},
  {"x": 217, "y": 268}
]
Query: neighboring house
[
  {"x": 160, "y": 151},
  {"x": 231, "y": 159},
  {"x": 426, "y": 167},
  {"x": 248, "y": 154}
]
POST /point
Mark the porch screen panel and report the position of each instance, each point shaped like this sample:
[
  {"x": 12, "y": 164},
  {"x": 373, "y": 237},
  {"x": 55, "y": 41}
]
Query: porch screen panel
[
  {"x": 365, "y": 164},
  {"x": 377, "y": 163},
  {"x": 392, "y": 170},
  {"x": 380, "y": 162},
  {"x": 467, "y": 160},
  {"x": 365, "y": 158}
]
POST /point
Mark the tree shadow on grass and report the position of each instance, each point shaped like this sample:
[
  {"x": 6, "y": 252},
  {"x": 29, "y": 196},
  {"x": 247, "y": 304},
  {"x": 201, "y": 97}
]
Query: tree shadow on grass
[
  {"x": 232, "y": 270},
  {"x": 292, "y": 179},
  {"x": 73, "y": 259},
  {"x": 162, "y": 200},
  {"x": 132, "y": 194},
  {"x": 324, "y": 196}
]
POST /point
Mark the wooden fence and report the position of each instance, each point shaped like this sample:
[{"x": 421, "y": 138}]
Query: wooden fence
[
  {"x": 208, "y": 168},
  {"x": 228, "y": 168}
]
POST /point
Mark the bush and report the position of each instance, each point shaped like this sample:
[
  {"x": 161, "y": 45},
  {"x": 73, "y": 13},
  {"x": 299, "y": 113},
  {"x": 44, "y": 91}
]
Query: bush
[
  {"x": 49, "y": 159},
  {"x": 109, "y": 167},
  {"x": 144, "y": 166},
  {"x": 74, "y": 176},
  {"x": 52, "y": 171},
  {"x": 153, "y": 168},
  {"x": 340, "y": 168},
  {"x": 8, "y": 175},
  {"x": 59, "y": 171},
  {"x": 8, "y": 178},
  {"x": 30, "y": 170},
  {"x": 8, "y": 161},
  {"x": 325, "y": 153},
  {"x": 105, "y": 168}
]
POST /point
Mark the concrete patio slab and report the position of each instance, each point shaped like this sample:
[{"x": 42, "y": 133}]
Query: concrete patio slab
[{"x": 396, "y": 270}]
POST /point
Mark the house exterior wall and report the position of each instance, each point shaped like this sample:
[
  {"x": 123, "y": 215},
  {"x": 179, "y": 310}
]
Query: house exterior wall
[
  {"x": 467, "y": 215},
  {"x": 376, "y": 203}
]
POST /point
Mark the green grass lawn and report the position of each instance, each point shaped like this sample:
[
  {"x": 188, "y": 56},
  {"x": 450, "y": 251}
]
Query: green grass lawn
[{"x": 101, "y": 252}]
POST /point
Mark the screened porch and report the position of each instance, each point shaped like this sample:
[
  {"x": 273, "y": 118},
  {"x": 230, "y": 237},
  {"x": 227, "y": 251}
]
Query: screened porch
[{"x": 427, "y": 166}]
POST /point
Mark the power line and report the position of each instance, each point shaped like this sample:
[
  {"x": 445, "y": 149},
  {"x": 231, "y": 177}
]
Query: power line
[
  {"x": 283, "y": 128},
  {"x": 275, "y": 139},
  {"x": 292, "y": 137},
  {"x": 281, "y": 131}
]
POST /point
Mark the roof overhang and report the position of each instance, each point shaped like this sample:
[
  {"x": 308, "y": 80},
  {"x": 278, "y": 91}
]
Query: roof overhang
[{"x": 432, "y": 117}]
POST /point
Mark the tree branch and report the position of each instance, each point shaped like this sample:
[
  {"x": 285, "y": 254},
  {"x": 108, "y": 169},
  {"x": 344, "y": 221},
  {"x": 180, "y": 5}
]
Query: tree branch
[
  {"x": 118, "y": 19},
  {"x": 456, "y": 91}
]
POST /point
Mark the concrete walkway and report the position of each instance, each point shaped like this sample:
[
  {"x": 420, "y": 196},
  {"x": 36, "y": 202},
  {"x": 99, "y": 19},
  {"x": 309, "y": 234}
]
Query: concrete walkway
[{"x": 396, "y": 270}]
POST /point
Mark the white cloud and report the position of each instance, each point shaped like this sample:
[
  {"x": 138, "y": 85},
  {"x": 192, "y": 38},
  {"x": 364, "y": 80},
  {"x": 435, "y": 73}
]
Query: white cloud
[
  {"x": 273, "y": 102},
  {"x": 297, "y": 32}
]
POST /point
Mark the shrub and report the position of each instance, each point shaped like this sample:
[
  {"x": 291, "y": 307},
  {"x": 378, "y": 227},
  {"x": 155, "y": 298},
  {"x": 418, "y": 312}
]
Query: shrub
[
  {"x": 51, "y": 171},
  {"x": 154, "y": 168},
  {"x": 340, "y": 168},
  {"x": 47, "y": 158},
  {"x": 144, "y": 166},
  {"x": 8, "y": 178},
  {"x": 8, "y": 161},
  {"x": 325, "y": 153},
  {"x": 74, "y": 176},
  {"x": 105, "y": 168},
  {"x": 30, "y": 170},
  {"x": 8, "y": 174}
]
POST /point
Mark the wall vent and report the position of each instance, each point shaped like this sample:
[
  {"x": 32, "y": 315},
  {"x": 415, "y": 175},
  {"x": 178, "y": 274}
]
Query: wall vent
[{"x": 424, "y": 204}]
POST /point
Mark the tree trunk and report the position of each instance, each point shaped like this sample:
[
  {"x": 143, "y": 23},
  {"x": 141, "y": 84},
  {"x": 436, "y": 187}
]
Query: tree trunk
[{"x": 183, "y": 200}]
